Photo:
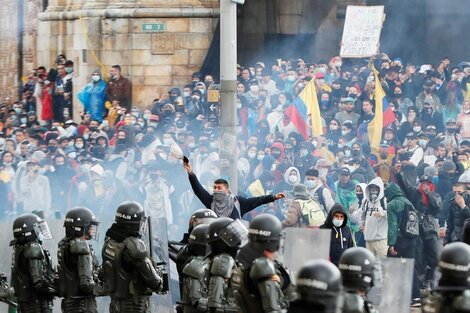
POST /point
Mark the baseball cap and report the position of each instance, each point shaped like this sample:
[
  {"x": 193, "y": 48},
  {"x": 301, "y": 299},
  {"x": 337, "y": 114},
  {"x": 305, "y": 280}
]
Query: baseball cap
[
  {"x": 411, "y": 136},
  {"x": 345, "y": 171},
  {"x": 425, "y": 178}
]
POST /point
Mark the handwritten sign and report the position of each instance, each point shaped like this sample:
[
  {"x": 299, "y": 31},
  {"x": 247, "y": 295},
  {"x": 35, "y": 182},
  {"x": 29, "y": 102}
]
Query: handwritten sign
[{"x": 361, "y": 33}]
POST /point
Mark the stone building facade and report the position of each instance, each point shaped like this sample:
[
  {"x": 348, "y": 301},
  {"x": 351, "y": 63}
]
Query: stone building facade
[{"x": 159, "y": 43}]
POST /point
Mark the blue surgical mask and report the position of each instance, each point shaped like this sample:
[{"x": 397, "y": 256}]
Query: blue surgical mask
[
  {"x": 310, "y": 183},
  {"x": 337, "y": 222}
]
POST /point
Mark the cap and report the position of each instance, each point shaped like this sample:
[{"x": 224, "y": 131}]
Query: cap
[
  {"x": 384, "y": 143},
  {"x": 239, "y": 66},
  {"x": 347, "y": 99},
  {"x": 424, "y": 68},
  {"x": 425, "y": 178},
  {"x": 345, "y": 171},
  {"x": 411, "y": 136},
  {"x": 354, "y": 161},
  {"x": 450, "y": 120},
  {"x": 448, "y": 166},
  {"x": 429, "y": 127},
  {"x": 260, "y": 64},
  {"x": 319, "y": 75}
]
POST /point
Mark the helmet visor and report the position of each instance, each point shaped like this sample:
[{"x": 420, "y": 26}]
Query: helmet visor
[
  {"x": 203, "y": 220},
  {"x": 234, "y": 234},
  {"x": 42, "y": 230},
  {"x": 94, "y": 231},
  {"x": 143, "y": 226}
]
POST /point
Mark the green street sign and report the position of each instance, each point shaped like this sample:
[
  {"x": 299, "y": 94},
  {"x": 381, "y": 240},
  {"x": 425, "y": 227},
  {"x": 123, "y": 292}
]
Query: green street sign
[{"x": 153, "y": 27}]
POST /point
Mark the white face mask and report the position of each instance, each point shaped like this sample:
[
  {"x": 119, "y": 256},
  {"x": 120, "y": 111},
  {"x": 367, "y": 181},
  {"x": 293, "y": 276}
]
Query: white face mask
[
  {"x": 186, "y": 94},
  {"x": 251, "y": 155},
  {"x": 344, "y": 132},
  {"x": 337, "y": 222},
  {"x": 292, "y": 178},
  {"x": 300, "y": 86},
  {"x": 254, "y": 88},
  {"x": 322, "y": 172},
  {"x": 291, "y": 78},
  {"x": 167, "y": 141},
  {"x": 417, "y": 129},
  {"x": 260, "y": 157},
  {"x": 95, "y": 78}
]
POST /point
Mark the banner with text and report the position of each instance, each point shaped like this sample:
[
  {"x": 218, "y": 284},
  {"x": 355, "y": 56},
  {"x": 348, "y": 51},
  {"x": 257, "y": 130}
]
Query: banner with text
[{"x": 361, "y": 33}]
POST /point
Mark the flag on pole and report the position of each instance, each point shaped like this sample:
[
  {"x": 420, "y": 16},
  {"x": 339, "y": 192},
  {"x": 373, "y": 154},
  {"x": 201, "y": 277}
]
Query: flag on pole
[
  {"x": 384, "y": 115},
  {"x": 304, "y": 105}
]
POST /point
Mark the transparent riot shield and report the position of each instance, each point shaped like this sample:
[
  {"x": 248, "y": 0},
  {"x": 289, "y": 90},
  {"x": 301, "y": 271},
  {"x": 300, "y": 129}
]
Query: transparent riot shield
[
  {"x": 157, "y": 240},
  {"x": 302, "y": 244},
  {"x": 392, "y": 285}
]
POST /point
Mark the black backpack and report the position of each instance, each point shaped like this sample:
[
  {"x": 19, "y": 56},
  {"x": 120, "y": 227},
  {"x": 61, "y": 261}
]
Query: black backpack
[{"x": 409, "y": 224}]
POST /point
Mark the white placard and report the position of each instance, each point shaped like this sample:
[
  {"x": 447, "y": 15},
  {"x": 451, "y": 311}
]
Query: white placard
[{"x": 361, "y": 33}]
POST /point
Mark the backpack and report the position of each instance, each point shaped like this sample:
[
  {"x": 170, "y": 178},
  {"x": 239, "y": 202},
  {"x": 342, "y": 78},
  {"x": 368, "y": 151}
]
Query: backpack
[
  {"x": 311, "y": 212},
  {"x": 409, "y": 224},
  {"x": 319, "y": 196}
]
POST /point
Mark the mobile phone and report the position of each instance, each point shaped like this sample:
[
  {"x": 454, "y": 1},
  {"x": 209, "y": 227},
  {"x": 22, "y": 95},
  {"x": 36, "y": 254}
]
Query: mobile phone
[{"x": 185, "y": 160}]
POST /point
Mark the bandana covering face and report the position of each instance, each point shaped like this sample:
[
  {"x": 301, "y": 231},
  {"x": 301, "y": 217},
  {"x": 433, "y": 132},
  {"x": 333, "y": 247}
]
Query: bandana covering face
[{"x": 222, "y": 204}]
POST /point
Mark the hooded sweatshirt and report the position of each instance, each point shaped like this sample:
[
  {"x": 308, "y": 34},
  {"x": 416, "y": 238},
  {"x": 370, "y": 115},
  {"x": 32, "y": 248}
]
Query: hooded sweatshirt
[
  {"x": 341, "y": 237},
  {"x": 395, "y": 207},
  {"x": 375, "y": 228}
]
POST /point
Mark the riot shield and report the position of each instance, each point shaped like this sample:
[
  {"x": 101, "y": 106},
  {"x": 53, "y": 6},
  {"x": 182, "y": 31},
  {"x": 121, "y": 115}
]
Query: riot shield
[
  {"x": 392, "y": 285},
  {"x": 157, "y": 237},
  {"x": 302, "y": 244}
]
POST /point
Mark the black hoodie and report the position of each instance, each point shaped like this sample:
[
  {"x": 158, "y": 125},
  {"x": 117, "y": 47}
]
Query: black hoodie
[{"x": 341, "y": 237}]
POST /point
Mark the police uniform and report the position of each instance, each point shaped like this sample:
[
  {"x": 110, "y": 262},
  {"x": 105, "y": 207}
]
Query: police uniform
[
  {"x": 33, "y": 273},
  {"x": 130, "y": 276}
]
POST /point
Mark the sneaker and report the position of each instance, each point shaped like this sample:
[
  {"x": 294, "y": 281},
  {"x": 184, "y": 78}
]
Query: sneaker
[{"x": 416, "y": 302}]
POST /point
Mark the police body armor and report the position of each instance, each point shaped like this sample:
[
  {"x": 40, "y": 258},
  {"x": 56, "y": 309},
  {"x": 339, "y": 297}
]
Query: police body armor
[
  {"x": 129, "y": 275},
  {"x": 77, "y": 276},
  {"x": 447, "y": 302},
  {"x": 220, "y": 296},
  {"x": 195, "y": 285},
  {"x": 261, "y": 287},
  {"x": 354, "y": 303},
  {"x": 33, "y": 278}
]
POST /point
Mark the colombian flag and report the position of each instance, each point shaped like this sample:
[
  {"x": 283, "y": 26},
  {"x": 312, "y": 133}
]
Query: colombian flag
[
  {"x": 304, "y": 105},
  {"x": 384, "y": 115}
]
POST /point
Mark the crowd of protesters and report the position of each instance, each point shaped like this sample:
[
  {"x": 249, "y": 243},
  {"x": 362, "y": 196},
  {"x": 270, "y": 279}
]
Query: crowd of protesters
[{"x": 118, "y": 151}]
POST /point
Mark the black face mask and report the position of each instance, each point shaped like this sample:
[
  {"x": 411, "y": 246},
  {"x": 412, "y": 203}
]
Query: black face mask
[
  {"x": 360, "y": 196},
  {"x": 383, "y": 155},
  {"x": 355, "y": 153},
  {"x": 275, "y": 154},
  {"x": 121, "y": 141},
  {"x": 52, "y": 148},
  {"x": 451, "y": 130}
]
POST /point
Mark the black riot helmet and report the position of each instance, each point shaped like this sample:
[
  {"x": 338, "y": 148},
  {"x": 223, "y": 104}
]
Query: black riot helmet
[
  {"x": 319, "y": 283},
  {"x": 202, "y": 216},
  {"x": 198, "y": 240},
  {"x": 81, "y": 222},
  {"x": 226, "y": 235},
  {"x": 454, "y": 264},
  {"x": 357, "y": 268},
  {"x": 265, "y": 232},
  {"x": 131, "y": 216},
  {"x": 30, "y": 227}
]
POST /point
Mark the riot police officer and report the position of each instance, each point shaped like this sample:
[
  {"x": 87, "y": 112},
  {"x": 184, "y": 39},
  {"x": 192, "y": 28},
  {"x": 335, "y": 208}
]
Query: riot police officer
[
  {"x": 357, "y": 271},
  {"x": 33, "y": 274},
  {"x": 224, "y": 237},
  {"x": 453, "y": 291},
  {"x": 129, "y": 276},
  {"x": 183, "y": 256},
  {"x": 319, "y": 288},
  {"x": 260, "y": 281},
  {"x": 77, "y": 262},
  {"x": 194, "y": 274}
]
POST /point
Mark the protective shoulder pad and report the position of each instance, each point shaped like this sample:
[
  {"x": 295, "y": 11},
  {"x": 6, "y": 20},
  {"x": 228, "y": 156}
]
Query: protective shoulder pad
[
  {"x": 222, "y": 265},
  {"x": 195, "y": 268},
  {"x": 262, "y": 268},
  {"x": 353, "y": 303},
  {"x": 135, "y": 247},
  {"x": 79, "y": 246},
  {"x": 34, "y": 251}
]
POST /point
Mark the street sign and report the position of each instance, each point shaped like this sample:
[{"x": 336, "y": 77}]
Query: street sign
[
  {"x": 153, "y": 27},
  {"x": 213, "y": 101}
]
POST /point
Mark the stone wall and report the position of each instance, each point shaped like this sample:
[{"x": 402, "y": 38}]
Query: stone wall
[{"x": 9, "y": 36}]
